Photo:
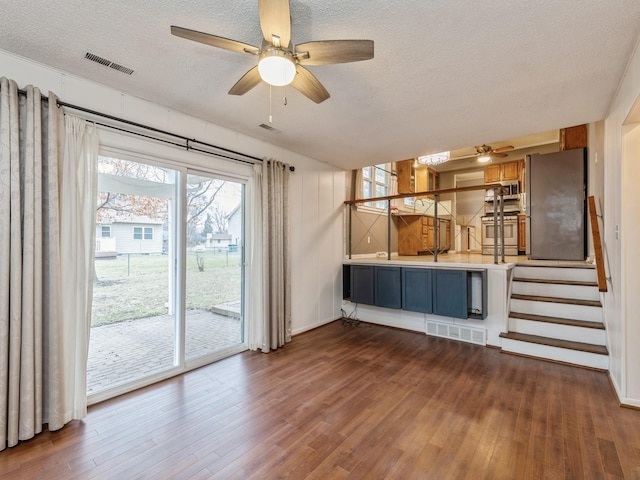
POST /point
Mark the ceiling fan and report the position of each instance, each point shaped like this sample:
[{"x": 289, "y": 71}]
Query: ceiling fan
[
  {"x": 280, "y": 62},
  {"x": 486, "y": 152}
]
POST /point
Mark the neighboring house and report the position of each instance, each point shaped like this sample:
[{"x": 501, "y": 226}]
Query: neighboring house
[
  {"x": 137, "y": 235},
  {"x": 215, "y": 240},
  {"x": 234, "y": 228}
]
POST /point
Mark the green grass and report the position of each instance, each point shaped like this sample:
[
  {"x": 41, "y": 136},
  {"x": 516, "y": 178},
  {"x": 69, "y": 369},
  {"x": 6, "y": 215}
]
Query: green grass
[{"x": 127, "y": 288}]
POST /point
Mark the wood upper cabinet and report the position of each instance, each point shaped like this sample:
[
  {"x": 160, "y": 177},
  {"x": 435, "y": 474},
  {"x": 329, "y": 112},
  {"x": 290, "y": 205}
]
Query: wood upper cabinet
[
  {"x": 492, "y": 173},
  {"x": 574, "y": 137},
  {"x": 425, "y": 179},
  {"x": 404, "y": 170},
  {"x": 511, "y": 171},
  {"x": 413, "y": 179},
  {"x": 503, "y": 172}
]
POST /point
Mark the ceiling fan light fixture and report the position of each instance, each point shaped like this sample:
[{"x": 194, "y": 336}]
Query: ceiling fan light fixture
[
  {"x": 484, "y": 158},
  {"x": 434, "y": 159},
  {"x": 277, "y": 67}
]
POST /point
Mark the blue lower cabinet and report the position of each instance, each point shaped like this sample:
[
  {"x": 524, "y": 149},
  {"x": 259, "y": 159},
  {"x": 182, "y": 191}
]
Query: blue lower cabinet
[
  {"x": 417, "y": 290},
  {"x": 362, "y": 284},
  {"x": 388, "y": 287},
  {"x": 450, "y": 293}
]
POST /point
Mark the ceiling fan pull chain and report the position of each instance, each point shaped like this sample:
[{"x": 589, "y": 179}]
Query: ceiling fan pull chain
[{"x": 284, "y": 100}]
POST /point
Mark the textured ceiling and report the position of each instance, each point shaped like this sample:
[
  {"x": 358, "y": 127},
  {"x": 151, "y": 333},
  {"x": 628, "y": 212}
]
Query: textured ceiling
[{"x": 447, "y": 74}]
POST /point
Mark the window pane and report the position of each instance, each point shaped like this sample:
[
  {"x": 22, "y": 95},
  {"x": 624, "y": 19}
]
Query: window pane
[
  {"x": 366, "y": 172},
  {"x": 381, "y": 191},
  {"x": 106, "y": 231},
  {"x": 133, "y": 320},
  {"x": 366, "y": 189},
  {"x": 381, "y": 175},
  {"x": 148, "y": 233},
  {"x": 213, "y": 299}
]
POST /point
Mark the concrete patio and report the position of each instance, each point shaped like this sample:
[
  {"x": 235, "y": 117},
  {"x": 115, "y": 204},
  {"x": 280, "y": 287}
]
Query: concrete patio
[{"x": 124, "y": 351}]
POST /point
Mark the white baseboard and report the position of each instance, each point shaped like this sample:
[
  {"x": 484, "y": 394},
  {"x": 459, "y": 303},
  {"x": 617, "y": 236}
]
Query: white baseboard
[
  {"x": 306, "y": 328},
  {"x": 624, "y": 401}
]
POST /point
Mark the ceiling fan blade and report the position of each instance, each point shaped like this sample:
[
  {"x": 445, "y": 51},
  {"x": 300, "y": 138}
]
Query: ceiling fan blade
[
  {"x": 327, "y": 52},
  {"x": 275, "y": 19},
  {"x": 471, "y": 155},
  {"x": 247, "y": 82},
  {"x": 214, "y": 40},
  {"x": 309, "y": 86},
  {"x": 498, "y": 154},
  {"x": 503, "y": 149}
]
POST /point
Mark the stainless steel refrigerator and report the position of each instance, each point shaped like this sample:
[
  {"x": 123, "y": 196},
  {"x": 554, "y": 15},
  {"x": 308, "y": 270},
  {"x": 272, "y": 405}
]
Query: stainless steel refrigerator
[{"x": 556, "y": 211}]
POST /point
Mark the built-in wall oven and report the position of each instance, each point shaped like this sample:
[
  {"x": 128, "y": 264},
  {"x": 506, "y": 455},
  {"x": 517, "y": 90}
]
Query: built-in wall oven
[{"x": 489, "y": 238}]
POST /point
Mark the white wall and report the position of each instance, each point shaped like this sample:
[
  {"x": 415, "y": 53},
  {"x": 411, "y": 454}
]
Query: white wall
[
  {"x": 621, "y": 179},
  {"x": 317, "y": 189}
]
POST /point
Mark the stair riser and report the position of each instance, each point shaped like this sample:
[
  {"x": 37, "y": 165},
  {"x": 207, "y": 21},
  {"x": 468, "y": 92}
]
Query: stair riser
[
  {"x": 550, "y": 273},
  {"x": 577, "y": 292},
  {"x": 593, "y": 336},
  {"x": 575, "y": 357},
  {"x": 560, "y": 310}
]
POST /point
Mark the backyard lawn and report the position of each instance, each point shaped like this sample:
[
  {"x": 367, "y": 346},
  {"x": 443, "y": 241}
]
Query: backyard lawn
[{"x": 137, "y": 286}]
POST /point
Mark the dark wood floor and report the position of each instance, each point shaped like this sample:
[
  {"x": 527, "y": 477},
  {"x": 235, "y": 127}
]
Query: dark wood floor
[{"x": 351, "y": 402}]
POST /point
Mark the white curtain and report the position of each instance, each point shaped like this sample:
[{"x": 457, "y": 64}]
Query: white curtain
[
  {"x": 270, "y": 308},
  {"x": 36, "y": 347},
  {"x": 358, "y": 191},
  {"x": 79, "y": 180}
]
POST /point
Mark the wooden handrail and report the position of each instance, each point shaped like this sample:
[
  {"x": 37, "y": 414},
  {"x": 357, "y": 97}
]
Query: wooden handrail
[
  {"x": 488, "y": 186},
  {"x": 597, "y": 245}
]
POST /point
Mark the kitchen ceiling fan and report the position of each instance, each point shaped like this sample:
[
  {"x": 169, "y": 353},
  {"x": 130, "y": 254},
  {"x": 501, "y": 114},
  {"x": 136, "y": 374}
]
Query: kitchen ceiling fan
[
  {"x": 280, "y": 62},
  {"x": 486, "y": 152}
]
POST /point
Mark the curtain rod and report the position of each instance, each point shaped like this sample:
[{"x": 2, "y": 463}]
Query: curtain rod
[{"x": 188, "y": 141}]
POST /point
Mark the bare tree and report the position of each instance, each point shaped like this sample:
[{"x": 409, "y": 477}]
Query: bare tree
[{"x": 220, "y": 219}]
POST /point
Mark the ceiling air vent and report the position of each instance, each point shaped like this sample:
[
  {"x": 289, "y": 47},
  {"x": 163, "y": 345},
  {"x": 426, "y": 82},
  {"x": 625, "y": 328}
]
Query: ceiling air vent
[
  {"x": 268, "y": 127},
  {"x": 108, "y": 63}
]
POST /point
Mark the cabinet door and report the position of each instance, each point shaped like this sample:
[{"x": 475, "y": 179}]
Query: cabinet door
[
  {"x": 492, "y": 173},
  {"x": 450, "y": 293},
  {"x": 362, "y": 284},
  {"x": 421, "y": 179},
  {"x": 417, "y": 290},
  {"x": 388, "y": 287},
  {"x": 434, "y": 183},
  {"x": 522, "y": 233},
  {"x": 404, "y": 170},
  {"x": 511, "y": 171}
]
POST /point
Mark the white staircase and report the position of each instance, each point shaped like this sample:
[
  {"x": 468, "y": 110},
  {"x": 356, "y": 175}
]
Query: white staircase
[{"x": 556, "y": 314}]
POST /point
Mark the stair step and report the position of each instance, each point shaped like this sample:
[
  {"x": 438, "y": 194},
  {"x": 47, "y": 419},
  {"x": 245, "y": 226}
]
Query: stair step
[
  {"x": 556, "y": 282},
  {"x": 581, "y": 273},
  {"x": 556, "y": 264},
  {"x": 570, "y": 301},
  {"x": 554, "y": 342},
  {"x": 561, "y": 321}
]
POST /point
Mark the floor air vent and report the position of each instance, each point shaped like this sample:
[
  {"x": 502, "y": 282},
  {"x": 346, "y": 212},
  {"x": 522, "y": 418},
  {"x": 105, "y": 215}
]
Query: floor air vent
[
  {"x": 108, "y": 63},
  {"x": 457, "y": 332}
]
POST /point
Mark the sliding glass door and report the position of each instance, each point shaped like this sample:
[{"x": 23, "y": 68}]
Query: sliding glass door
[
  {"x": 213, "y": 298},
  {"x": 168, "y": 283}
]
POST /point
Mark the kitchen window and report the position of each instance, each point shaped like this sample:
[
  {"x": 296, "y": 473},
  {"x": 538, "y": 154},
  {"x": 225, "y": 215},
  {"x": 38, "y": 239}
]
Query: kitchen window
[{"x": 375, "y": 183}]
